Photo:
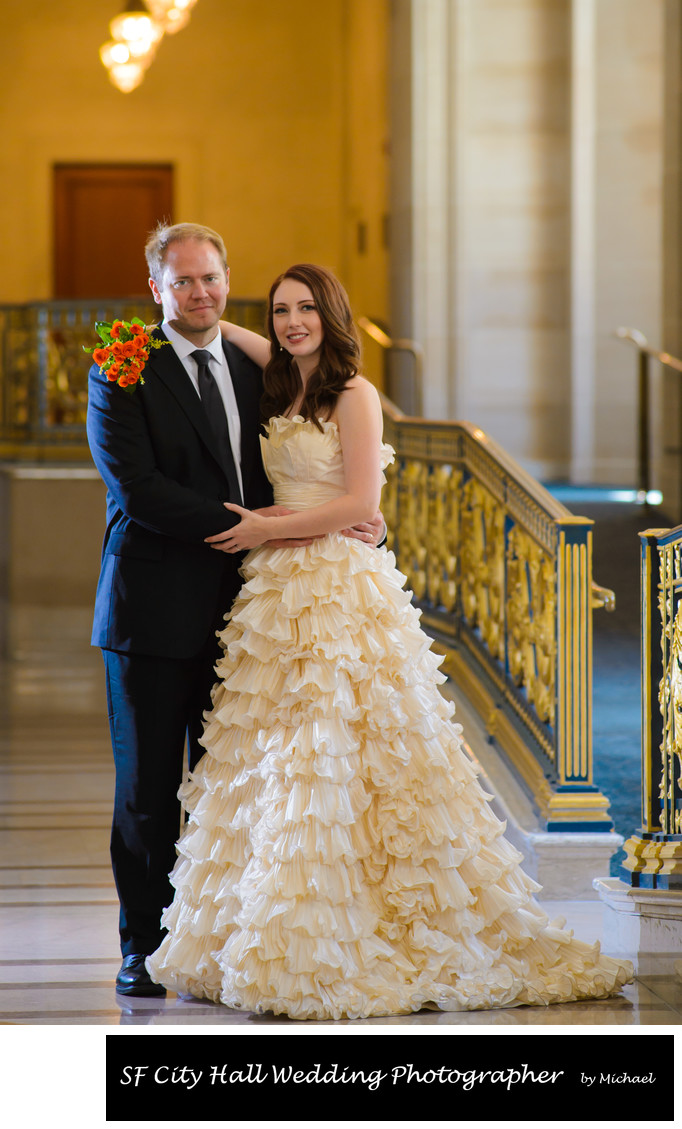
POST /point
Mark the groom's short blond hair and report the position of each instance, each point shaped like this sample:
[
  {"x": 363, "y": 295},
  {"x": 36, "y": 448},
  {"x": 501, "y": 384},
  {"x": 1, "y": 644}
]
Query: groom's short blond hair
[{"x": 165, "y": 234}]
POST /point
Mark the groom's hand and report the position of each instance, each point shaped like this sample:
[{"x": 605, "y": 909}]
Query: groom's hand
[{"x": 372, "y": 532}]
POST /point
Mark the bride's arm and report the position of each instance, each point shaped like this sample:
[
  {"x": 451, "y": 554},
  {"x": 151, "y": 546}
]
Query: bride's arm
[
  {"x": 257, "y": 348},
  {"x": 360, "y": 423}
]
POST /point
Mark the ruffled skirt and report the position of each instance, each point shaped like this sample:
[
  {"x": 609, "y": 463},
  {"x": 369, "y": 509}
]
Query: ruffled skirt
[{"x": 340, "y": 859}]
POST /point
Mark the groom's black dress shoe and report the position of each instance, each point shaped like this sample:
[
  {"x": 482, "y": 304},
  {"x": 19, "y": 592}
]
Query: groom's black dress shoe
[{"x": 134, "y": 980}]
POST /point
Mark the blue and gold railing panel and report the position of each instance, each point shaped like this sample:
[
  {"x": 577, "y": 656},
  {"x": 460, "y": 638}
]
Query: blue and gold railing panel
[
  {"x": 44, "y": 371},
  {"x": 654, "y": 852},
  {"x": 502, "y": 574}
]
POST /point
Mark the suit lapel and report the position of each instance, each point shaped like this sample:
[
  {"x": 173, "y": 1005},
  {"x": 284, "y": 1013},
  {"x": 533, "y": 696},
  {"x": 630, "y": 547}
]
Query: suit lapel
[{"x": 166, "y": 365}]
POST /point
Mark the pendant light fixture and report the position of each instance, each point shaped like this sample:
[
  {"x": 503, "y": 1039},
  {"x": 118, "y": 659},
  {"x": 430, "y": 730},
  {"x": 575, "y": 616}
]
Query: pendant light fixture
[{"x": 136, "y": 33}]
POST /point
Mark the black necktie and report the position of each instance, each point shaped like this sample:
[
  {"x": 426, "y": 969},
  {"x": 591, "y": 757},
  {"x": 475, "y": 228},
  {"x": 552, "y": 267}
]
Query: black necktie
[{"x": 217, "y": 417}]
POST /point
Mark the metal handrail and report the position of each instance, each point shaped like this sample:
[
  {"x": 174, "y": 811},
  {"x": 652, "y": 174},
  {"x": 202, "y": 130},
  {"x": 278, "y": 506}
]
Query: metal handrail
[
  {"x": 601, "y": 597},
  {"x": 645, "y": 354},
  {"x": 551, "y": 505},
  {"x": 399, "y": 345}
]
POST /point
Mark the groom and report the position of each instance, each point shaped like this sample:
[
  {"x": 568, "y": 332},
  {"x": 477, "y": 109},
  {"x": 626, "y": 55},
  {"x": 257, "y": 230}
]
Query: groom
[
  {"x": 162, "y": 592},
  {"x": 170, "y": 451}
]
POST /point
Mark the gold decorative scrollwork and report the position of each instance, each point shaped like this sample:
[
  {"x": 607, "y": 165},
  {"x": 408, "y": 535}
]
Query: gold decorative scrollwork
[
  {"x": 443, "y": 494},
  {"x": 531, "y": 621},
  {"x": 503, "y": 575},
  {"x": 19, "y": 359},
  {"x": 412, "y": 526},
  {"x": 44, "y": 371},
  {"x": 389, "y": 502},
  {"x": 670, "y": 691},
  {"x": 66, "y": 384},
  {"x": 482, "y": 520}
]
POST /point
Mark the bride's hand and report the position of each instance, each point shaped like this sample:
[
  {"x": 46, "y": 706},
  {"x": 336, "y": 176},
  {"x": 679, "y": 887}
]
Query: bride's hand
[
  {"x": 257, "y": 348},
  {"x": 249, "y": 532}
]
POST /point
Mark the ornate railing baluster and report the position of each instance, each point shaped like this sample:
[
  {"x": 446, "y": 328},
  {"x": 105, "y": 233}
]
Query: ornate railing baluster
[{"x": 654, "y": 853}]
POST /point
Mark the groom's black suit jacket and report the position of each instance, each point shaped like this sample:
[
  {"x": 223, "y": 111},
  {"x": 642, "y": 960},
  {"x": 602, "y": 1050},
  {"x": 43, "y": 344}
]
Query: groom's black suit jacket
[{"x": 159, "y": 584}]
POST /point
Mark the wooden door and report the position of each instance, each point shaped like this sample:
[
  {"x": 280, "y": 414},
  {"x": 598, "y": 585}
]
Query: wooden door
[{"x": 102, "y": 217}]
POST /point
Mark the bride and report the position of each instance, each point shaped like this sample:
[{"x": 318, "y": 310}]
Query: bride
[{"x": 340, "y": 859}]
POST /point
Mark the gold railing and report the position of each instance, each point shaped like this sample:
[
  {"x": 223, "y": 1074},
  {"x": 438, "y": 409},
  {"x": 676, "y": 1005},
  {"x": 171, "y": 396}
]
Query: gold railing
[
  {"x": 654, "y": 852},
  {"x": 502, "y": 573},
  {"x": 44, "y": 371}
]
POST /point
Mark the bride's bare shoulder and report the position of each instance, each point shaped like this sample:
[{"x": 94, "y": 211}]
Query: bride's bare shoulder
[
  {"x": 363, "y": 387},
  {"x": 359, "y": 400}
]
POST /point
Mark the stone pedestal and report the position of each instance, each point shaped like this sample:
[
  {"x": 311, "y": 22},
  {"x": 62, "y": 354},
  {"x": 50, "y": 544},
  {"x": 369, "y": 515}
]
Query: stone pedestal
[
  {"x": 565, "y": 862},
  {"x": 643, "y": 925},
  {"x": 52, "y": 521}
]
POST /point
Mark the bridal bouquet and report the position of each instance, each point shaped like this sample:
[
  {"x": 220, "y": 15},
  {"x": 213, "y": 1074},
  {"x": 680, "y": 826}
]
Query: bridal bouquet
[{"x": 124, "y": 350}]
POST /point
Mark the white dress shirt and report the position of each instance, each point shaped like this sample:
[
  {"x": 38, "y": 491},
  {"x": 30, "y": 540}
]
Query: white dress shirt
[{"x": 221, "y": 373}]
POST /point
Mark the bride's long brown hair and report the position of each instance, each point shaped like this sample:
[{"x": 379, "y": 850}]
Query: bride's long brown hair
[{"x": 339, "y": 355}]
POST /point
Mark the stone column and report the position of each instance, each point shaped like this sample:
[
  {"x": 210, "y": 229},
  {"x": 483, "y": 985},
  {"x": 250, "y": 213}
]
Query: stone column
[
  {"x": 481, "y": 193},
  {"x": 669, "y": 463},
  {"x": 526, "y": 219}
]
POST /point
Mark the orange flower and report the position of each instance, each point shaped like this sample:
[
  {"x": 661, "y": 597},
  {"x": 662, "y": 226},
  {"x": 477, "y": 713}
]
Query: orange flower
[{"x": 124, "y": 351}]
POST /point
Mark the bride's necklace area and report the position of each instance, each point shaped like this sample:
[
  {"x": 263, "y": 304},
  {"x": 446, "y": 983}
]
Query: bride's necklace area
[{"x": 295, "y": 409}]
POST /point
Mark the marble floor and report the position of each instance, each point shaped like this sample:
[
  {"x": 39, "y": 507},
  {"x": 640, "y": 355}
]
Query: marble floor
[{"x": 58, "y": 910}]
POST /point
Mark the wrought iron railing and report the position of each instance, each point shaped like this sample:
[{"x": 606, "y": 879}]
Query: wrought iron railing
[
  {"x": 503, "y": 575},
  {"x": 44, "y": 371},
  {"x": 654, "y": 853}
]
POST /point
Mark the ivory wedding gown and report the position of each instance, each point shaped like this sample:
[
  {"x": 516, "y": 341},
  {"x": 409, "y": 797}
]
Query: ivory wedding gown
[{"x": 340, "y": 859}]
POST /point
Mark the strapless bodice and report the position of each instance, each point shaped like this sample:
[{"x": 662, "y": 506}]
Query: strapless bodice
[{"x": 304, "y": 464}]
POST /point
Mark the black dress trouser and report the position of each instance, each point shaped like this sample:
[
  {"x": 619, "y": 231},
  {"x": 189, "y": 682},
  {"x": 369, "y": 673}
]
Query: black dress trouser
[{"x": 156, "y": 708}]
